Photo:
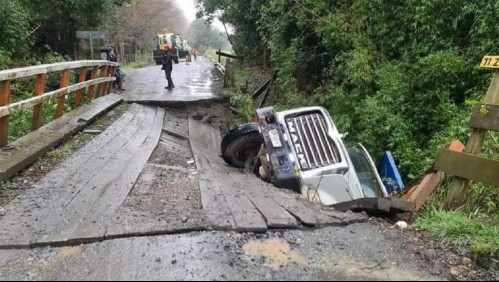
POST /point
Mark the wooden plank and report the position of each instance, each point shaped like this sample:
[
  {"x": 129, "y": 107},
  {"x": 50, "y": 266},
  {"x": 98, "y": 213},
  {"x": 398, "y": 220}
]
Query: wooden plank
[
  {"x": 81, "y": 78},
  {"x": 176, "y": 124},
  {"x": 485, "y": 117},
  {"x": 208, "y": 136},
  {"x": 376, "y": 205},
  {"x": 468, "y": 166},
  {"x": 59, "y": 111},
  {"x": 36, "y": 70},
  {"x": 41, "y": 79},
  {"x": 420, "y": 193},
  {"x": 91, "y": 182},
  {"x": 28, "y": 103},
  {"x": 430, "y": 182},
  {"x": 274, "y": 214},
  {"x": 213, "y": 199},
  {"x": 245, "y": 215},
  {"x": 232, "y": 56},
  {"x": 91, "y": 165},
  {"x": 176, "y": 144},
  {"x": 131, "y": 161},
  {"x": 298, "y": 210},
  {"x": 4, "y": 120},
  {"x": 59, "y": 193},
  {"x": 101, "y": 106},
  {"x": 265, "y": 95},
  {"x": 215, "y": 204},
  {"x": 407, "y": 195},
  {"x": 30, "y": 147},
  {"x": 76, "y": 162},
  {"x": 365, "y": 204},
  {"x": 457, "y": 191},
  {"x": 401, "y": 206},
  {"x": 261, "y": 89}
]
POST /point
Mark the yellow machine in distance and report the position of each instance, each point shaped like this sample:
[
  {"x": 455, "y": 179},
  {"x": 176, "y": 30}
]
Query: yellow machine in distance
[{"x": 176, "y": 44}]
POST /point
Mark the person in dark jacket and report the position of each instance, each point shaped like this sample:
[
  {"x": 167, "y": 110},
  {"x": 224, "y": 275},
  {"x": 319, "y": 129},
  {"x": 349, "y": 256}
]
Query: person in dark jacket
[
  {"x": 167, "y": 62},
  {"x": 111, "y": 56}
]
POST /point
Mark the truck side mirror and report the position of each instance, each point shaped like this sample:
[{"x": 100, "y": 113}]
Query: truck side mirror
[{"x": 344, "y": 135}]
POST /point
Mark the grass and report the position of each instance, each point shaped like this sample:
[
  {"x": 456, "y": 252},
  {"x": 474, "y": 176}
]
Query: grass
[
  {"x": 61, "y": 151},
  {"x": 143, "y": 61},
  {"x": 473, "y": 231}
]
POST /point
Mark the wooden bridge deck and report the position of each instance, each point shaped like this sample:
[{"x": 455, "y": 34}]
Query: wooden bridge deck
[{"x": 153, "y": 171}]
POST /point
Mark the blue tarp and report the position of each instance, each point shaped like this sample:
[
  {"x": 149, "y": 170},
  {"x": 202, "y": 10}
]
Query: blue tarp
[{"x": 389, "y": 174}]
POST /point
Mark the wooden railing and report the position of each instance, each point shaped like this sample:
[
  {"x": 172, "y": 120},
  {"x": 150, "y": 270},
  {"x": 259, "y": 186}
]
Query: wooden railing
[
  {"x": 99, "y": 84},
  {"x": 470, "y": 165}
]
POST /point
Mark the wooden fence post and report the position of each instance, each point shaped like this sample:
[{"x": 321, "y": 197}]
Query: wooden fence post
[
  {"x": 457, "y": 191},
  {"x": 109, "y": 85},
  {"x": 90, "y": 91},
  {"x": 4, "y": 121},
  {"x": 41, "y": 79},
  {"x": 81, "y": 78},
  {"x": 59, "y": 111},
  {"x": 103, "y": 73}
]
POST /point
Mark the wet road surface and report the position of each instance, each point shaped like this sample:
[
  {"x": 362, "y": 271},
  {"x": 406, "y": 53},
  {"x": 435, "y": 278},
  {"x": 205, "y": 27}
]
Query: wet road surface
[
  {"x": 197, "y": 80},
  {"x": 354, "y": 252}
]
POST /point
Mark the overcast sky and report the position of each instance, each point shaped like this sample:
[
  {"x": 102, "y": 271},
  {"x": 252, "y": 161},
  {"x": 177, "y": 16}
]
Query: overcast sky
[{"x": 189, "y": 9}]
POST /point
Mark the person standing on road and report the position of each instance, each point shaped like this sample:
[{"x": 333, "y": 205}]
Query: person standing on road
[
  {"x": 195, "y": 54},
  {"x": 167, "y": 62}
]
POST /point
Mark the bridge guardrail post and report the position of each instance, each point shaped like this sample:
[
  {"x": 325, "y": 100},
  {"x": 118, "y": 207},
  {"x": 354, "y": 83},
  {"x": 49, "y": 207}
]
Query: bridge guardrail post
[
  {"x": 4, "y": 121},
  {"x": 41, "y": 79},
  {"x": 81, "y": 78}
]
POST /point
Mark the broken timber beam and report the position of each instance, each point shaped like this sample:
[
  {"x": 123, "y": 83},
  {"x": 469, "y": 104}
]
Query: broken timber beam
[{"x": 420, "y": 193}]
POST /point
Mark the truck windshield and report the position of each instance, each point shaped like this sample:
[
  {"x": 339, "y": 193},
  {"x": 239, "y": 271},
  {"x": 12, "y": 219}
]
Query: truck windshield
[
  {"x": 162, "y": 40},
  {"x": 367, "y": 177}
]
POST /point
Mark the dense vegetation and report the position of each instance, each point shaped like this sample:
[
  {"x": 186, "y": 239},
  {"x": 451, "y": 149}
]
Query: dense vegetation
[{"x": 397, "y": 75}]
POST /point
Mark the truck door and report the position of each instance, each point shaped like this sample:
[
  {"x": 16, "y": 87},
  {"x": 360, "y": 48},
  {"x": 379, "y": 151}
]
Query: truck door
[{"x": 369, "y": 179}]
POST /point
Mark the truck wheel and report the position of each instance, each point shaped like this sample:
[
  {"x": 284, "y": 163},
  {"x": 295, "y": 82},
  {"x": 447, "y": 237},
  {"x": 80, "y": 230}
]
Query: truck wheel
[{"x": 240, "y": 146}]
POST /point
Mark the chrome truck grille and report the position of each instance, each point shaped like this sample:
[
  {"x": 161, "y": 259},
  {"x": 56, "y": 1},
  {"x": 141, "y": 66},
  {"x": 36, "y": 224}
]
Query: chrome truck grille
[{"x": 313, "y": 147}]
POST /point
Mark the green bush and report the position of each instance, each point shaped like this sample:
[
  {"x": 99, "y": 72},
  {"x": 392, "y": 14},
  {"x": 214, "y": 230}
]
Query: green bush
[{"x": 14, "y": 29}]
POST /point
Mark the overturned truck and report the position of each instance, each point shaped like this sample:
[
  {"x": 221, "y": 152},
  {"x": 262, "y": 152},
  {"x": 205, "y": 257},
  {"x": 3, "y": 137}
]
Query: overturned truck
[{"x": 301, "y": 149}]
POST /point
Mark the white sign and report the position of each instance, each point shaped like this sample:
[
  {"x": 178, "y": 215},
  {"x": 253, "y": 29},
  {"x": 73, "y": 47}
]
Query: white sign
[{"x": 90, "y": 34}]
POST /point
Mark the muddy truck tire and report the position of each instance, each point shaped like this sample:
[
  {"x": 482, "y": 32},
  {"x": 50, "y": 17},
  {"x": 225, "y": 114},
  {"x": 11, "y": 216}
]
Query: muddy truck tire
[{"x": 241, "y": 145}]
